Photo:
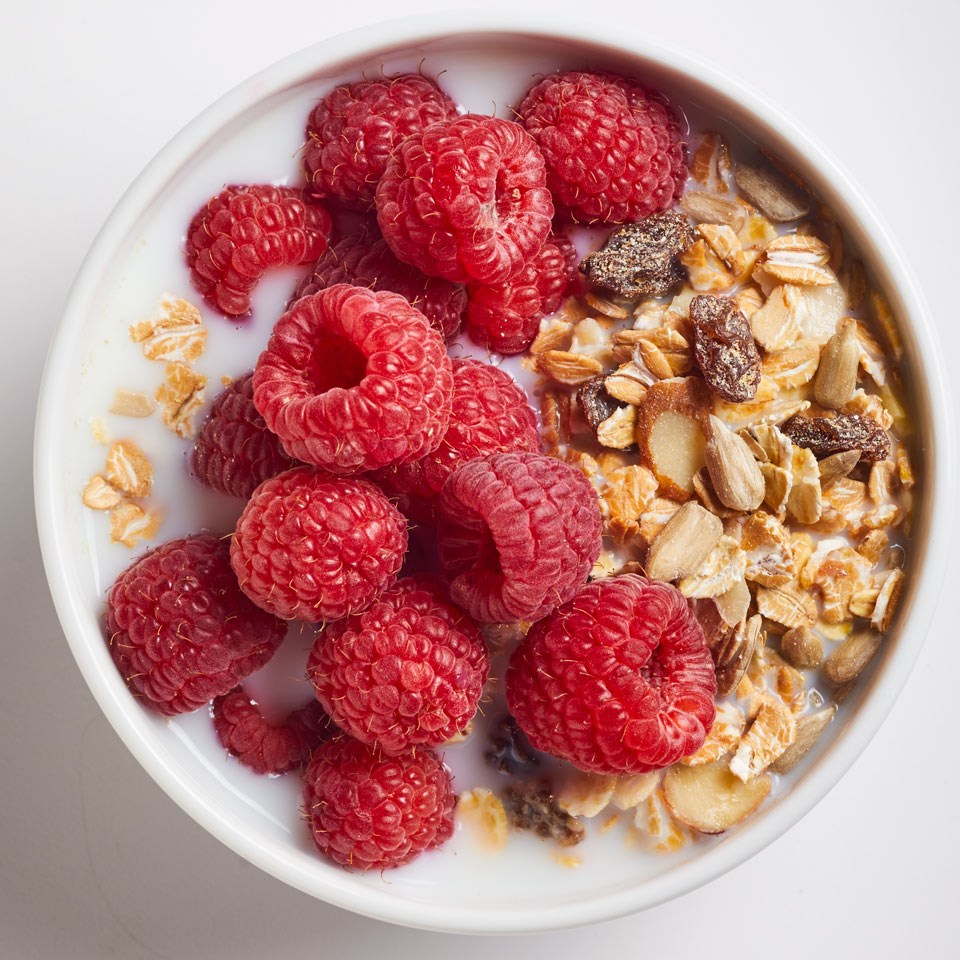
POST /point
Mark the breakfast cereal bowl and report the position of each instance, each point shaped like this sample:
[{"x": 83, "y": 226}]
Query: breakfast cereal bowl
[{"x": 473, "y": 883}]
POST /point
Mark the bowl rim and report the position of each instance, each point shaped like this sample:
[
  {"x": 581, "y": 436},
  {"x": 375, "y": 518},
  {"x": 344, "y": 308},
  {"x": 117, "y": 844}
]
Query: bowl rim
[{"x": 81, "y": 627}]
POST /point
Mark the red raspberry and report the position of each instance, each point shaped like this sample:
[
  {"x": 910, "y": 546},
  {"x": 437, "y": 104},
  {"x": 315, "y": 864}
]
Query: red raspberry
[
  {"x": 614, "y": 149},
  {"x": 505, "y": 317},
  {"x": 466, "y": 200},
  {"x": 354, "y": 129},
  {"x": 242, "y": 232},
  {"x": 491, "y": 414},
  {"x": 407, "y": 672},
  {"x": 518, "y": 535},
  {"x": 234, "y": 451},
  {"x": 264, "y": 747},
  {"x": 617, "y": 680},
  {"x": 312, "y": 546},
  {"x": 180, "y": 630},
  {"x": 364, "y": 259},
  {"x": 366, "y": 810},
  {"x": 353, "y": 380}
]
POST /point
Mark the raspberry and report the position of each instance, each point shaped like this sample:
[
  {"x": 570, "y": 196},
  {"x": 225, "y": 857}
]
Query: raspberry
[
  {"x": 317, "y": 547},
  {"x": 505, "y": 317},
  {"x": 242, "y": 232},
  {"x": 518, "y": 535},
  {"x": 617, "y": 680},
  {"x": 234, "y": 451},
  {"x": 407, "y": 672},
  {"x": 353, "y": 380},
  {"x": 466, "y": 200},
  {"x": 490, "y": 414},
  {"x": 364, "y": 259},
  {"x": 180, "y": 630},
  {"x": 264, "y": 747},
  {"x": 367, "y": 811},
  {"x": 614, "y": 149},
  {"x": 354, "y": 129}
]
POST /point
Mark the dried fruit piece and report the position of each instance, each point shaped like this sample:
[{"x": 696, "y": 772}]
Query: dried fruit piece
[
  {"x": 533, "y": 807},
  {"x": 640, "y": 259},
  {"x": 484, "y": 810},
  {"x": 596, "y": 403},
  {"x": 809, "y": 728},
  {"x": 709, "y": 798},
  {"x": 99, "y": 495},
  {"x": 734, "y": 472},
  {"x": 846, "y": 431},
  {"x": 802, "y": 648},
  {"x": 128, "y": 469},
  {"x": 510, "y": 751},
  {"x": 672, "y": 427},
  {"x": 837, "y": 374},
  {"x": 773, "y": 193},
  {"x": 684, "y": 543},
  {"x": 724, "y": 348},
  {"x": 851, "y": 657},
  {"x": 773, "y": 730}
]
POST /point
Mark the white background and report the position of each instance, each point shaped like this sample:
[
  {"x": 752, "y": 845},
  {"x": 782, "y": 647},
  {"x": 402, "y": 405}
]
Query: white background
[{"x": 95, "y": 861}]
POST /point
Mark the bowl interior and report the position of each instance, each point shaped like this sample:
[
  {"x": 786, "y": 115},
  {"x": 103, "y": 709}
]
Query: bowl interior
[{"x": 255, "y": 136}]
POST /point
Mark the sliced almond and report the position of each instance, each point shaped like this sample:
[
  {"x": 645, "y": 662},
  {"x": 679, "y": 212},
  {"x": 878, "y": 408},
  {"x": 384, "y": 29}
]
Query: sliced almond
[
  {"x": 672, "y": 429},
  {"x": 709, "y": 798},
  {"x": 734, "y": 472},
  {"x": 684, "y": 543},
  {"x": 851, "y": 657},
  {"x": 779, "y": 198},
  {"x": 631, "y": 791},
  {"x": 837, "y": 374},
  {"x": 809, "y": 728}
]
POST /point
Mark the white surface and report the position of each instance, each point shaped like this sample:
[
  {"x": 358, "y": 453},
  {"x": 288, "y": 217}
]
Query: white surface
[{"x": 94, "y": 860}]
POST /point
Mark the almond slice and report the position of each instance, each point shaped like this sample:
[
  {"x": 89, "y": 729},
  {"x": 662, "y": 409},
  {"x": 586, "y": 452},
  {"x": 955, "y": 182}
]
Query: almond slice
[{"x": 709, "y": 798}]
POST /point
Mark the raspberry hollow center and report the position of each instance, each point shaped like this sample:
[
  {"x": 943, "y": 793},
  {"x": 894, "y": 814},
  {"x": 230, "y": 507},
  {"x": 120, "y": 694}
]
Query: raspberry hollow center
[{"x": 335, "y": 362}]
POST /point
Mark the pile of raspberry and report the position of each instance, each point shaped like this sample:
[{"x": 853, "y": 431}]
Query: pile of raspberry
[{"x": 356, "y": 426}]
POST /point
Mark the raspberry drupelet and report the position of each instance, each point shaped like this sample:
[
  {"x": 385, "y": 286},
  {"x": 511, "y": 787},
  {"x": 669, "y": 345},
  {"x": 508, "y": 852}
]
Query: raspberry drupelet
[
  {"x": 180, "y": 630},
  {"x": 466, "y": 200},
  {"x": 354, "y": 380},
  {"x": 406, "y": 673},
  {"x": 244, "y": 231},
  {"x": 618, "y": 680},
  {"x": 314, "y": 547}
]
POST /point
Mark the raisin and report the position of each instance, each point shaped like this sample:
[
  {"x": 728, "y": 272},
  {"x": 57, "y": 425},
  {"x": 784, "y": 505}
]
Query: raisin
[
  {"x": 846, "y": 431},
  {"x": 532, "y": 806},
  {"x": 641, "y": 259},
  {"x": 597, "y": 405},
  {"x": 724, "y": 348},
  {"x": 510, "y": 751}
]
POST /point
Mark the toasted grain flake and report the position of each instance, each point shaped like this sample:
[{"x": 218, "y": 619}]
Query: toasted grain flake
[
  {"x": 788, "y": 605},
  {"x": 872, "y": 358},
  {"x": 631, "y": 791},
  {"x": 851, "y": 657},
  {"x": 684, "y": 543},
  {"x": 885, "y": 320},
  {"x": 709, "y": 798},
  {"x": 127, "y": 403},
  {"x": 180, "y": 397},
  {"x": 617, "y": 431},
  {"x": 554, "y": 421},
  {"x": 723, "y": 567},
  {"x": 805, "y": 500},
  {"x": 591, "y": 338},
  {"x": 722, "y": 737},
  {"x": 707, "y": 272},
  {"x": 904, "y": 469},
  {"x": 565, "y": 367},
  {"x": 656, "y": 516},
  {"x": 586, "y": 794},
  {"x": 791, "y": 686},
  {"x": 626, "y": 494},
  {"x": 130, "y": 523},
  {"x": 887, "y": 601},
  {"x": 555, "y": 334},
  {"x": 793, "y": 366},
  {"x": 99, "y": 495},
  {"x": 128, "y": 469},
  {"x": 844, "y": 506},
  {"x": 767, "y": 549},
  {"x": 723, "y": 240},
  {"x": 483, "y": 811},
  {"x": 797, "y": 259},
  {"x": 607, "y": 307},
  {"x": 776, "y": 325},
  {"x": 661, "y": 830},
  {"x": 175, "y": 334},
  {"x": 768, "y": 737},
  {"x": 648, "y": 314},
  {"x": 628, "y": 383},
  {"x": 710, "y": 163},
  {"x": 881, "y": 481}
]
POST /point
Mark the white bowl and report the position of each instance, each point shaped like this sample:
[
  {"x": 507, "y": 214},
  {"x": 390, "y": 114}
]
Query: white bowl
[{"x": 489, "y": 58}]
